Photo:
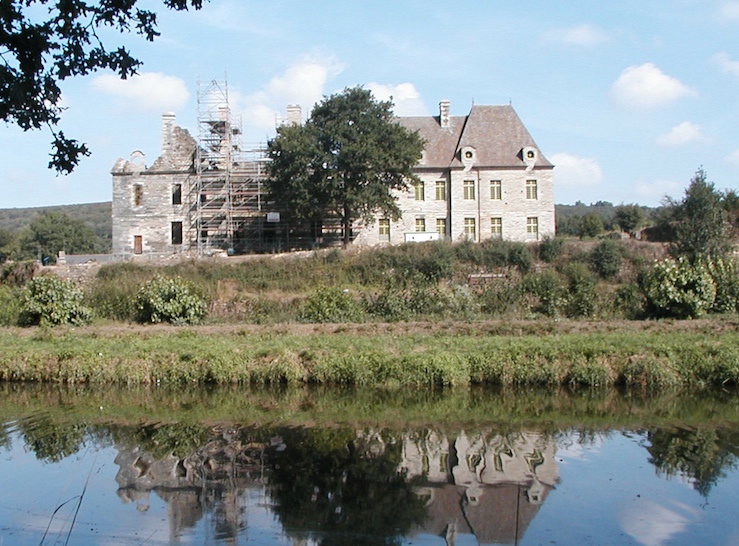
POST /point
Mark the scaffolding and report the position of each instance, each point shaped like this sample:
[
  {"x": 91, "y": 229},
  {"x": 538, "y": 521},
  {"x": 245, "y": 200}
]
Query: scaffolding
[
  {"x": 227, "y": 205},
  {"x": 227, "y": 193}
]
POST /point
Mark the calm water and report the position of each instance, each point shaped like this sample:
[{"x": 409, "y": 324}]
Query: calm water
[{"x": 120, "y": 467}]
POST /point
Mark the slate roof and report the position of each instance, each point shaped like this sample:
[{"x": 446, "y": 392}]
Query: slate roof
[{"x": 496, "y": 133}]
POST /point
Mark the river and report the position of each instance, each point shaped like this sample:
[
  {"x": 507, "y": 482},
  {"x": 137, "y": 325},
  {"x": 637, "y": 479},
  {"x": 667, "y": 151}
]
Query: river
[{"x": 309, "y": 467}]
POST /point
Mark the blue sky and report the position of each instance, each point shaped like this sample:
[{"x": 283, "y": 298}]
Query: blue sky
[{"x": 628, "y": 99}]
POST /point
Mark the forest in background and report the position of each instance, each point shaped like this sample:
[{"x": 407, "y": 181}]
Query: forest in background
[{"x": 97, "y": 216}]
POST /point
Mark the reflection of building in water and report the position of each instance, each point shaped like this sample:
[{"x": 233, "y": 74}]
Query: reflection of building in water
[
  {"x": 211, "y": 481},
  {"x": 483, "y": 484}
]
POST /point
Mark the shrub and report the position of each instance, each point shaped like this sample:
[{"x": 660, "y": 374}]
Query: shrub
[
  {"x": 605, "y": 259},
  {"x": 628, "y": 301},
  {"x": 172, "y": 300},
  {"x": 51, "y": 301},
  {"x": 679, "y": 289},
  {"x": 500, "y": 297},
  {"x": 547, "y": 288},
  {"x": 581, "y": 291},
  {"x": 329, "y": 304},
  {"x": 10, "y": 305},
  {"x": 550, "y": 249},
  {"x": 725, "y": 275},
  {"x": 18, "y": 273}
]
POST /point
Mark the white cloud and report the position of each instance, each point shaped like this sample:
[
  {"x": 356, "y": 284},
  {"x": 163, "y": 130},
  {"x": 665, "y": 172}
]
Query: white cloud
[
  {"x": 729, "y": 10},
  {"x": 682, "y": 134},
  {"x": 652, "y": 524},
  {"x": 148, "y": 91},
  {"x": 572, "y": 171},
  {"x": 656, "y": 190},
  {"x": 405, "y": 97},
  {"x": 725, "y": 64},
  {"x": 580, "y": 35},
  {"x": 646, "y": 86},
  {"x": 733, "y": 158},
  {"x": 303, "y": 83}
]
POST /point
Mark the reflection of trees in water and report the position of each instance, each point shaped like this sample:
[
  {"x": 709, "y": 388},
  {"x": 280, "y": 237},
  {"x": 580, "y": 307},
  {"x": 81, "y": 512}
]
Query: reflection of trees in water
[
  {"x": 332, "y": 484},
  {"x": 51, "y": 441},
  {"x": 703, "y": 455},
  {"x": 329, "y": 484}
]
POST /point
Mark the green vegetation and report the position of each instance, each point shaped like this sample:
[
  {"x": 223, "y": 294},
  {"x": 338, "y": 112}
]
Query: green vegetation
[
  {"x": 169, "y": 300},
  {"x": 46, "y": 45},
  {"x": 545, "y": 355},
  {"x": 34, "y": 233},
  {"x": 343, "y": 162},
  {"x": 51, "y": 301}
]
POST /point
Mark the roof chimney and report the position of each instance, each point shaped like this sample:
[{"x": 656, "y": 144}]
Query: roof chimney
[
  {"x": 444, "y": 113},
  {"x": 168, "y": 126},
  {"x": 294, "y": 114}
]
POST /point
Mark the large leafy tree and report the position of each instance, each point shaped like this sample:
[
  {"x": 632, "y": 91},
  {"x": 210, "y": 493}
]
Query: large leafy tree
[
  {"x": 345, "y": 161},
  {"x": 51, "y": 232},
  {"x": 700, "y": 221},
  {"x": 630, "y": 218},
  {"x": 43, "y": 42}
]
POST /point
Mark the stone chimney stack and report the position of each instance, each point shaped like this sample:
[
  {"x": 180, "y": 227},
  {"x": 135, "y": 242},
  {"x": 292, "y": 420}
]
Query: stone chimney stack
[
  {"x": 168, "y": 126},
  {"x": 294, "y": 114},
  {"x": 444, "y": 106}
]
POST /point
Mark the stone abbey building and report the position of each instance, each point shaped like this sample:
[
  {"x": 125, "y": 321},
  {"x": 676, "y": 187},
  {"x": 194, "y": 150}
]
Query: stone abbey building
[{"x": 482, "y": 176}]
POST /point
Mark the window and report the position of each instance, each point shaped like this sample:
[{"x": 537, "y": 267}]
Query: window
[
  {"x": 421, "y": 225},
  {"x": 469, "y": 189},
  {"x": 441, "y": 190},
  {"x": 138, "y": 244},
  {"x": 177, "y": 194},
  {"x": 384, "y": 225},
  {"x": 531, "y": 189},
  {"x": 441, "y": 227},
  {"x": 176, "y": 233},
  {"x": 496, "y": 189},
  {"x": 532, "y": 228},
  {"x": 496, "y": 228},
  {"x": 419, "y": 191},
  {"x": 470, "y": 229},
  {"x": 138, "y": 195}
]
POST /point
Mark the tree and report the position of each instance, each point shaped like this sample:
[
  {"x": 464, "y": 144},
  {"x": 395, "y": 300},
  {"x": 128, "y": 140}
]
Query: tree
[
  {"x": 591, "y": 225},
  {"x": 47, "y": 43},
  {"x": 51, "y": 232},
  {"x": 345, "y": 161},
  {"x": 700, "y": 221},
  {"x": 629, "y": 218}
]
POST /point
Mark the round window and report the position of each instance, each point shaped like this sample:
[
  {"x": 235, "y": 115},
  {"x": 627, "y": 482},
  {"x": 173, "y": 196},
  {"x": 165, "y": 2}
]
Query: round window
[
  {"x": 468, "y": 154},
  {"x": 530, "y": 154}
]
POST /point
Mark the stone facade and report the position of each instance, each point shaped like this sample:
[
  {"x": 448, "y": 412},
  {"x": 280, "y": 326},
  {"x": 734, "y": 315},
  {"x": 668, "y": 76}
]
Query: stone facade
[
  {"x": 151, "y": 206},
  {"x": 481, "y": 176}
]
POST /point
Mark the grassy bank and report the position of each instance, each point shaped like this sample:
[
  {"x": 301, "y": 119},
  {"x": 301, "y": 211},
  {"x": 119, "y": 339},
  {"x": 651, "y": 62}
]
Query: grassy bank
[{"x": 634, "y": 354}]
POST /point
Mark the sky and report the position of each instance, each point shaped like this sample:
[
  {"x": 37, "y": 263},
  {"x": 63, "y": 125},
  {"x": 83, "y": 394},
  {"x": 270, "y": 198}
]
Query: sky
[{"x": 628, "y": 99}]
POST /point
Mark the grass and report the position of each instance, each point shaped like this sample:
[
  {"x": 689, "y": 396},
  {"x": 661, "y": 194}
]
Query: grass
[{"x": 419, "y": 355}]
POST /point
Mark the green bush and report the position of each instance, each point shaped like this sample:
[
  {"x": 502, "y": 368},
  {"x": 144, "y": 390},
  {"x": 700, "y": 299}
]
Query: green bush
[
  {"x": 548, "y": 289},
  {"x": 678, "y": 289},
  {"x": 725, "y": 275},
  {"x": 628, "y": 302},
  {"x": 172, "y": 300},
  {"x": 10, "y": 305},
  {"x": 500, "y": 296},
  {"x": 605, "y": 259},
  {"x": 51, "y": 301},
  {"x": 582, "y": 291},
  {"x": 329, "y": 304},
  {"x": 550, "y": 249}
]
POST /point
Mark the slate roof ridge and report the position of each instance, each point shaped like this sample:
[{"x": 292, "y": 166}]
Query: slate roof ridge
[{"x": 496, "y": 132}]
